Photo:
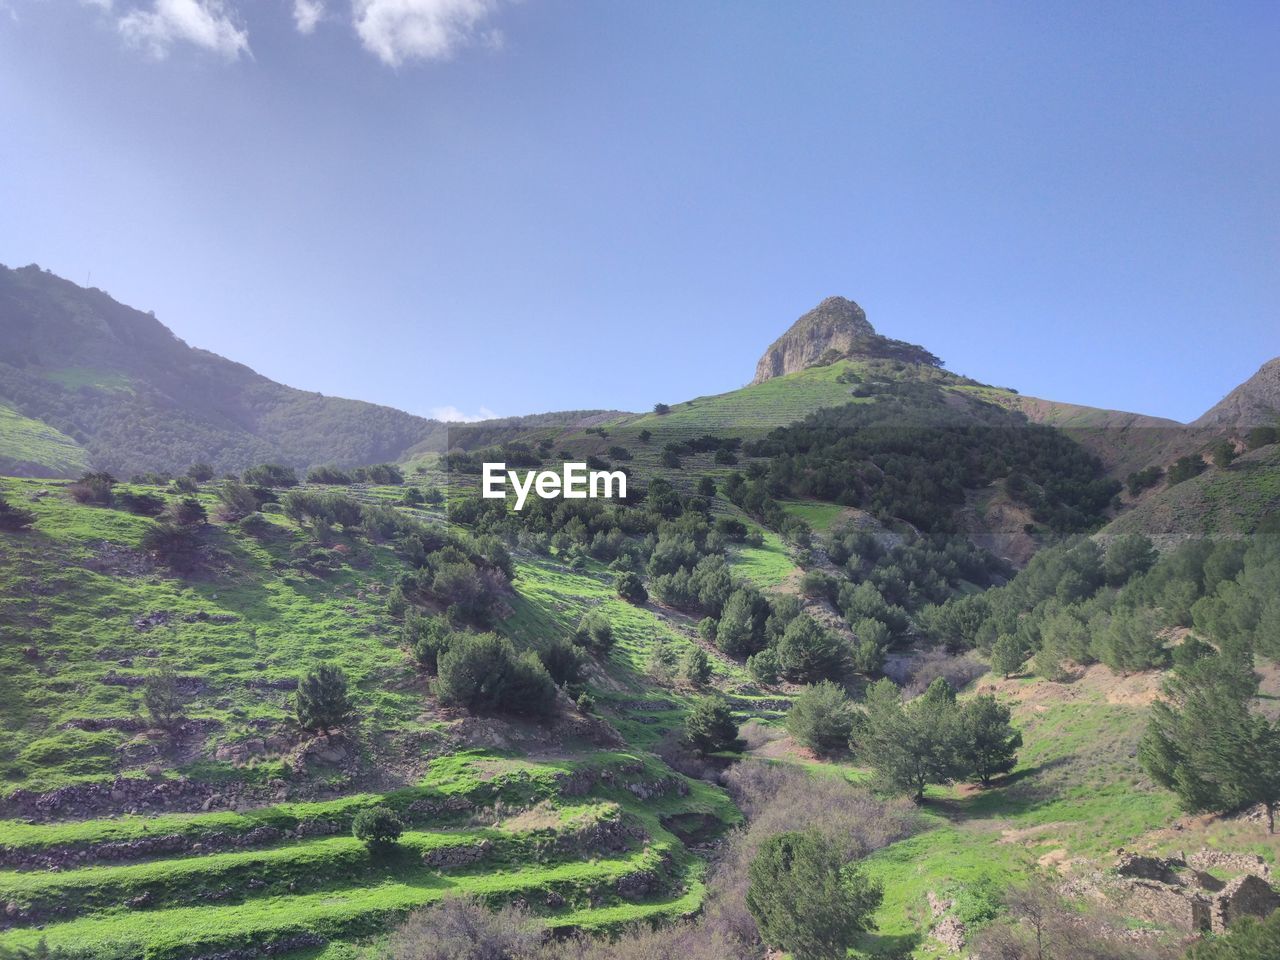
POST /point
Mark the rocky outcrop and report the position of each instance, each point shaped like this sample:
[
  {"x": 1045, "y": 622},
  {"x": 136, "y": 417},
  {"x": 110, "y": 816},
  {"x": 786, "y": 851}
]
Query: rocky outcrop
[
  {"x": 1256, "y": 402},
  {"x": 834, "y": 329}
]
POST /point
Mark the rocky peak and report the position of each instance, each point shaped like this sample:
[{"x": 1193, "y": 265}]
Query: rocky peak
[
  {"x": 834, "y": 329},
  {"x": 1255, "y": 402}
]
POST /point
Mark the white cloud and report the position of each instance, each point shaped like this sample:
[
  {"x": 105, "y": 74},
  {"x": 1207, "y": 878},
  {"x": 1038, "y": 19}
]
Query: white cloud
[
  {"x": 452, "y": 414},
  {"x": 204, "y": 23},
  {"x": 400, "y": 30},
  {"x": 99, "y": 4},
  {"x": 307, "y": 13}
]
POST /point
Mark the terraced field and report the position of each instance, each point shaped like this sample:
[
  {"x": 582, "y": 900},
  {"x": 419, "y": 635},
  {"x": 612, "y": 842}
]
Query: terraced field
[{"x": 572, "y": 838}]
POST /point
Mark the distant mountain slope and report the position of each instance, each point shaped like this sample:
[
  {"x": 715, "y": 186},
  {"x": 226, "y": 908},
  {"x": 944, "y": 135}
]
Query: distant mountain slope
[
  {"x": 1256, "y": 402},
  {"x": 134, "y": 397}
]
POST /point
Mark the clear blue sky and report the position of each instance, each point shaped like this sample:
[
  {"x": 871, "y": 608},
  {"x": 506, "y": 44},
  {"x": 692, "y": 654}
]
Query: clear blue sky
[{"x": 546, "y": 205}]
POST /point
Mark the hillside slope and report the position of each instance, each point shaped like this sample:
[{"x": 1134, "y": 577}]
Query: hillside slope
[{"x": 135, "y": 398}]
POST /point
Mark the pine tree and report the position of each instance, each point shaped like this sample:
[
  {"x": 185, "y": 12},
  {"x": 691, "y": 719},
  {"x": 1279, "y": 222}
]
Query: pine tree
[{"x": 322, "y": 701}]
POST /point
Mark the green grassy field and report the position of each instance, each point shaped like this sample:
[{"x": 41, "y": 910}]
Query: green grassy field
[{"x": 29, "y": 446}]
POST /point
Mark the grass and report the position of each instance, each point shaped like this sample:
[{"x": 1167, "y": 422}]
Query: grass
[{"x": 31, "y": 446}]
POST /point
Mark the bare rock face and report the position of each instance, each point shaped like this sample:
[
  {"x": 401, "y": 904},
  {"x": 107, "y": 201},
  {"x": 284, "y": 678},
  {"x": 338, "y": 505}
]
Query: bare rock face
[
  {"x": 834, "y": 329},
  {"x": 834, "y": 324},
  {"x": 1256, "y": 402}
]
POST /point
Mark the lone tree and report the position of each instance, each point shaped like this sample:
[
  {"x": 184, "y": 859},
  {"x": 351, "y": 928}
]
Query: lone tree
[
  {"x": 377, "y": 826},
  {"x": 990, "y": 743},
  {"x": 631, "y": 589},
  {"x": 322, "y": 702},
  {"x": 1007, "y": 655},
  {"x": 710, "y": 726},
  {"x": 806, "y": 900},
  {"x": 1205, "y": 744},
  {"x": 162, "y": 696}
]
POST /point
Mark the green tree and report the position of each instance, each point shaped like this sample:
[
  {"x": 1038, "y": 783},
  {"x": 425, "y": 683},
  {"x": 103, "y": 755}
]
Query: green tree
[
  {"x": 710, "y": 726},
  {"x": 1185, "y": 468},
  {"x": 377, "y": 826},
  {"x": 821, "y": 718},
  {"x": 562, "y": 660},
  {"x": 1205, "y": 744},
  {"x": 1007, "y": 655},
  {"x": 1127, "y": 557},
  {"x": 1223, "y": 452},
  {"x": 661, "y": 409},
  {"x": 806, "y": 900},
  {"x": 322, "y": 702},
  {"x": 869, "y": 650},
  {"x": 594, "y": 631},
  {"x": 990, "y": 742},
  {"x": 738, "y": 633},
  {"x": 910, "y": 746},
  {"x": 200, "y": 472}
]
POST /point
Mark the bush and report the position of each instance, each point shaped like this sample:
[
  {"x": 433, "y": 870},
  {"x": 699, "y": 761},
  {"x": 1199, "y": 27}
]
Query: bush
[
  {"x": 1185, "y": 468},
  {"x": 185, "y": 485},
  {"x": 695, "y": 666},
  {"x": 172, "y": 544},
  {"x": 821, "y": 718},
  {"x": 200, "y": 472},
  {"x": 1261, "y": 437},
  {"x": 377, "y": 826},
  {"x": 427, "y": 638},
  {"x": 93, "y": 488},
  {"x": 14, "y": 518},
  {"x": 189, "y": 512},
  {"x": 763, "y": 667},
  {"x": 143, "y": 504},
  {"x": 808, "y": 651},
  {"x": 710, "y": 726},
  {"x": 631, "y": 588},
  {"x": 463, "y": 928},
  {"x": 236, "y": 501},
  {"x": 322, "y": 702},
  {"x": 483, "y": 672},
  {"x": 594, "y": 631},
  {"x": 563, "y": 661},
  {"x": 661, "y": 409}
]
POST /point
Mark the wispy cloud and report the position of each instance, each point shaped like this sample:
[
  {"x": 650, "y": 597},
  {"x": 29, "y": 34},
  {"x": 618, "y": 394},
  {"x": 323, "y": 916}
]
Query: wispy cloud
[
  {"x": 209, "y": 24},
  {"x": 307, "y": 13},
  {"x": 399, "y": 30},
  {"x": 451, "y": 414}
]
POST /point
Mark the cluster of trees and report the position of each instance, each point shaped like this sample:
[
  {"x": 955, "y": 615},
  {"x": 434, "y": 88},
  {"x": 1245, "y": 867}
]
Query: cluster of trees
[
  {"x": 1083, "y": 603},
  {"x": 385, "y": 474},
  {"x": 912, "y": 454},
  {"x": 910, "y": 744}
]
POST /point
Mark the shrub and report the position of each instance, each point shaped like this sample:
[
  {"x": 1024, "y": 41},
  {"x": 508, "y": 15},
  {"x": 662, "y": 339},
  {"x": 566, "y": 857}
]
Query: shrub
[
  {"x": 322, "y": 702},
  {"x": 93, "y": 488},
  {"x": 763, "y": 666},
  {"x": 143, "y": 504},
  {"x": 172, "y": 544},
  {"x": 695, "y": 666},
  {"x": 630, "y": 588},
  {"x": 483, "y": 672},
  {"x": 236, "y": 501},
  {"x": 200, "y": 472},
  {"x": 808, "y": 651},
  {"x": 463, "y": 928},
  {"x": 1185, "y": 468},
  {"x": 710, "y": 726},
  {"x": 562, "y": 660},
  {"x": 661, "y": 409},
  {"x": 594, "y": 631},
  {"x": 189, "y": 512},
  {"x": 14, "y": 518},
  {"x": 821, "y": 718},
  {"x": 427, "y": 638},
  {"x": 1223, "y": 452},
  {"x": 185, "y": 485},
  {"x": 1261, "y": 437},
  {"x": 377, "y": 826}
]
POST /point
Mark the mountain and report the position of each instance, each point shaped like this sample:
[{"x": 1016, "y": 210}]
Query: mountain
[
  {"x": 118, "y": 385},
  {"x": 833, "y": 330},
  {"x": 1256, "y": 402}
]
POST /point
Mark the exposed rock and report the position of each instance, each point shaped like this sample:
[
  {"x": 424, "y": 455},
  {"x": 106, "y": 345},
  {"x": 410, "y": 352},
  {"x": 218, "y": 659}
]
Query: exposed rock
[
  {"x": 834, "y": 329},
  {"x": 459, "y": 855},
  {"x": 952, "y": 933},
  {"x": 1254, "y": 403},
  {"x": 638, "y": 885}
]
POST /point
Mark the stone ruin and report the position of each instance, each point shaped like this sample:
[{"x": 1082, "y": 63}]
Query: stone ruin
[{"x": 1179, "y": 893}]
